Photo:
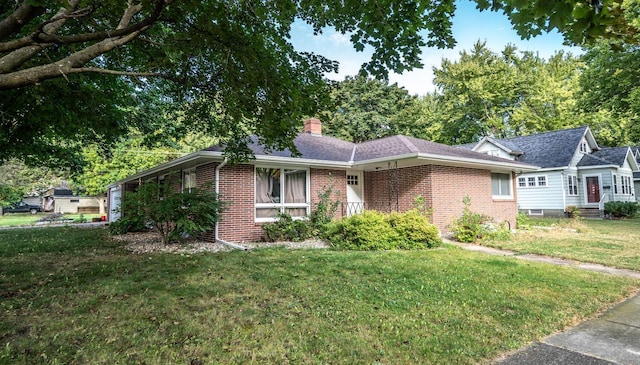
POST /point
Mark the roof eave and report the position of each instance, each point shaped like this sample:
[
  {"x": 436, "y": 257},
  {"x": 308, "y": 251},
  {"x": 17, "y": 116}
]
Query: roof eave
[
  {"x": 294, "y": 161},
  {"x": 478, "y": 163},
  {"x": 192, "y": 157}
]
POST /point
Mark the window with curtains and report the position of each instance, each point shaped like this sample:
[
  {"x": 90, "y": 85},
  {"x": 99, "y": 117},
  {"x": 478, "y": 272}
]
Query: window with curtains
[
  {"x": 501, "y": 186},
  {"x": 280, "y": 190},
  {"x": 188, "y": 180}
]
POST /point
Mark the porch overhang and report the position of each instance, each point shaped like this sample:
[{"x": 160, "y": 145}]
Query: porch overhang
[{"x": 418, "y": 159}]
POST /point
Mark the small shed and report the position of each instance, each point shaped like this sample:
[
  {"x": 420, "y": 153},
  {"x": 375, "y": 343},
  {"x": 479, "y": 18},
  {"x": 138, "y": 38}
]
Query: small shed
[{"x": 62, "y": 200}]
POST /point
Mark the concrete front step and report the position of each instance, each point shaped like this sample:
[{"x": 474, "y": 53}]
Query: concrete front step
[{"x": 590, "y": 213}]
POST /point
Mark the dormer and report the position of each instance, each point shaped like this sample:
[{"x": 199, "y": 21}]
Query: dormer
[{"x": 493, "y": 147}]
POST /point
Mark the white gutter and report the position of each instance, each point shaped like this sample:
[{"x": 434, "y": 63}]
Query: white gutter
[{"x": 217, "y": 235}]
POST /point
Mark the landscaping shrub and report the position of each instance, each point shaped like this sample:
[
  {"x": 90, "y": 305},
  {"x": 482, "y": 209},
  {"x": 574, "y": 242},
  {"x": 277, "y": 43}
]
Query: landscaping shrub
[
  {"x": 367, "y": 231},
  {"x": 175, "y": 215},
  {"x": 621, "y": 209},
  {"x": 285, "y": 228},
  {"x": 323, "y": 212},
  {"x": 373, "y": 230},
  {"x": 471, "y": 226},
  {"x": 415, "y": 230}
]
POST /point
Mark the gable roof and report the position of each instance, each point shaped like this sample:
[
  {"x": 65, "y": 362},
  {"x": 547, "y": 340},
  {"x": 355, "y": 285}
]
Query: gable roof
[
  {"x": 548, "y": 149},
  {"x": 607, "y": 156}
]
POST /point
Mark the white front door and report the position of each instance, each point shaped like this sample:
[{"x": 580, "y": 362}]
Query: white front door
[{"x": 355, "y": 201}]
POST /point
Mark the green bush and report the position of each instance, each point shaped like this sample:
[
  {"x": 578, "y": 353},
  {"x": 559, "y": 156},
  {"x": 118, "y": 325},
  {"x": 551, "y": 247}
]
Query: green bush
[
  {"x": 415, "y": 230},
  {"x": 367, "y": 231},
  {"x": 175, "y": 215},
  {"x": 286, "y": 229},
  {"x": 621, "y": 209},
  {"x": 471, "y": 226},
  {"x": 373, "y": 230},
  {"x": 323, "y": 212}
]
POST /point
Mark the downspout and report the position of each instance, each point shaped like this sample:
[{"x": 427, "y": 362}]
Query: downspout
[
  {"x": 217, "y": 235},
  {"x": 564, "y": 198}
]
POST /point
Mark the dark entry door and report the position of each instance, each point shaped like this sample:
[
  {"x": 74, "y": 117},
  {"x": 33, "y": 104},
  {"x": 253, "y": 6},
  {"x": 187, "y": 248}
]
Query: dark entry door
[{"x": 593, "y": 189}]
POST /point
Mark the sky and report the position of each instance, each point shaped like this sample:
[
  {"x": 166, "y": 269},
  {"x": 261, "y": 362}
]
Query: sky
[{"x": 469, "y": 26}]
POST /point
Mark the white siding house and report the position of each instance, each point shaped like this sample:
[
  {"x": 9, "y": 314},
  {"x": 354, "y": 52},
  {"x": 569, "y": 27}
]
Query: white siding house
[{"x": 574, "y": 171}]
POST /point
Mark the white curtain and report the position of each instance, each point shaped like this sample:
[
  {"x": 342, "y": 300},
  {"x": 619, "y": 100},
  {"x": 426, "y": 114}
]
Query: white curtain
[
  {"x": 264, "y": 185},
  {"x": 295, "y": 185}
]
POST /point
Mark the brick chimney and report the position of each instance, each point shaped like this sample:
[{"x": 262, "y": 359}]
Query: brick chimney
[{"x": 313, "y": 126}]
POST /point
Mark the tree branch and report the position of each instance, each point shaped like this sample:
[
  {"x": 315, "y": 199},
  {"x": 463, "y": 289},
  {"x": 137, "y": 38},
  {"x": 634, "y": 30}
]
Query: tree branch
[
  {"x": 21, "y": 16},
  {"x": 74, "y": 63},
  {"x": 16, "y": 58}
]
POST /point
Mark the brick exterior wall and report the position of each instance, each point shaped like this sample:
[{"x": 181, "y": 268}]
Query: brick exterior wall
[
  {"x": 237, "y": 187},
  {"x": 443, "y": 189},
  {"x": 321, "y": 179}
]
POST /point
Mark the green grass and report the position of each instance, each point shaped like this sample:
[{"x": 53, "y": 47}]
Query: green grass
[
  {"x": 27, "y": 219},
  {"x": 612, "y": 243},
  {"x": 73, "y": 296}
]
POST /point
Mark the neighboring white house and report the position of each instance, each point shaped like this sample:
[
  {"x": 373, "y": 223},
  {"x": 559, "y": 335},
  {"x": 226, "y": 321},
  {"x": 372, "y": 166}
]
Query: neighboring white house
[{"x": 575, "y": 171}]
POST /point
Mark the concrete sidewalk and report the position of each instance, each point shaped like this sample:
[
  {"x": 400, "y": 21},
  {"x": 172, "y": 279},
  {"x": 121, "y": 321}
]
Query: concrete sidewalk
[{"x": 613, "y": 338}]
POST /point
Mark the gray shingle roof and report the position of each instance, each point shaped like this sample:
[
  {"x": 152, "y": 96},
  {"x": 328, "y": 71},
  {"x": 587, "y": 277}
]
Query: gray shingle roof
[
  {"x": 605, "y": 156},
  {"x": 327, "y": 148},
  {"x": 547, "y": 150}
]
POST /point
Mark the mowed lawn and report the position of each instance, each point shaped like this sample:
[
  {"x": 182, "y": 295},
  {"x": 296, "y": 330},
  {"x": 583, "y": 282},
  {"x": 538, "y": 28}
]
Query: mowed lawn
[
  {"x": 614, "y": 243},
  {"x": 27, "y": 219},
  {"x": 74, "y": 296}
]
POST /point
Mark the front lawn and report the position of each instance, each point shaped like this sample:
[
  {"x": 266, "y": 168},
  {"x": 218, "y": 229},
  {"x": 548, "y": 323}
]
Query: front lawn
[
  {"x": 614, "y": 243},
  {"x": 74, "y": 296},
  {"x": 27, "y": 219}
]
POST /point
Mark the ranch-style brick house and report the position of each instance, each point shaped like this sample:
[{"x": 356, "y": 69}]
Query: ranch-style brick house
[{"x": 385, "y": 174}]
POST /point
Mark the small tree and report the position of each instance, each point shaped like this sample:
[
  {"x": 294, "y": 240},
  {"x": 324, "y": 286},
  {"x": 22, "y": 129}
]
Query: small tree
[{"x": 171, "y": 213}]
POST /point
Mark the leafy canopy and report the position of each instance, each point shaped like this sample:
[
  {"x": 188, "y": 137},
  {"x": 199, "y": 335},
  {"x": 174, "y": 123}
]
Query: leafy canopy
[{"x": 80, "y": 71}]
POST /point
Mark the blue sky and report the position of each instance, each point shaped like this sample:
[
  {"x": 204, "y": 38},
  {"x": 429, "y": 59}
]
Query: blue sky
[{"x": 469, "y": 26}]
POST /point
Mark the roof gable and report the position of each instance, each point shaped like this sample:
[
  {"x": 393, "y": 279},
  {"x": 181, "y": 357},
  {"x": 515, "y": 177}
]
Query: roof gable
[{"x": 548, "y": 149}]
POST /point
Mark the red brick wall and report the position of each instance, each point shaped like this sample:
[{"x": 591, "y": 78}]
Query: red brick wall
[
  {"x": 322, "y": 178},
  {"x": 237, "y": 188},
  {"x": 412, "y": 182},
  {"x": 443, "y": 189}
]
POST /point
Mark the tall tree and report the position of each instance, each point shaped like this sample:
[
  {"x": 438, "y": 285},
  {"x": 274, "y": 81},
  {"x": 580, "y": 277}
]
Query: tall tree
[
  {"x": 234, "y": 58},
  {"x": 363, "y": 109},
  {"x": 504, "y": 94},
  {"x": 610, "y": 96}
]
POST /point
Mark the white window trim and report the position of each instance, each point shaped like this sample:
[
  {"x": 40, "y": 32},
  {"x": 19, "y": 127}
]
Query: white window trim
[
  {"x": 185, "y": 172},
  {"x": 586, "y": 192},
  {"x": 281, "y": 205},
  {"x": 536, "y": 182},
  {"x": 574, "y": 179},
  {"x": 503, "y": 197},
  {"x": 538, "y": 212}
]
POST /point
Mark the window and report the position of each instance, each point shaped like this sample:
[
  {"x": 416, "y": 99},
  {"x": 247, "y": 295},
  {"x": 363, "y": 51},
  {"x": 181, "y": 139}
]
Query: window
[
  {"x": 188, "y": 180},
  {"x": 615, "y": 184},
  {"x": 532, "y": 182},
  {"x": 522, "y": 182},
  {"x": 74, "y": 201},
  {"x": 495, "y": 153},
  {"x": 536, "y": 212},
  {"x": 542, "y": 181},
  {"x": 583, "y": 147},
  {"x": 161, "y": 186},
  {"x": 626, "y": 185},
  {"x": 572, "y": 184},
  {"x": 281, "y": 191},
  {"x": 352, "y": 180},
  {"x": 501, "y": 185}
]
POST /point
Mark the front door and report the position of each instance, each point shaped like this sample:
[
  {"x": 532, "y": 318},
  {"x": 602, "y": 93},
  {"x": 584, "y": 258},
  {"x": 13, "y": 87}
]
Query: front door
[
  {"x": 593, "y": 189},
  {"x": 355, "y": 201}
]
